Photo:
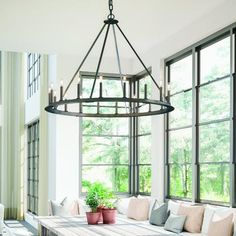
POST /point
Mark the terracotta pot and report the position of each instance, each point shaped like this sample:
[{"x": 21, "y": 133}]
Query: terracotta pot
[
  {"x": 93, "y": 218},
  {"x": 99, "y": 209},
  {"x": 109, "y": 216}
]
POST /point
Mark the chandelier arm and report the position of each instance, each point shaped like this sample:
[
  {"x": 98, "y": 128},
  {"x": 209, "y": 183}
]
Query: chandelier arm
[
  {"x": 118, "y": 61},
  {"x": 81, "y": 64},
  {"x": 138, "y": 56},
  {"x": 100, "y": 60}
]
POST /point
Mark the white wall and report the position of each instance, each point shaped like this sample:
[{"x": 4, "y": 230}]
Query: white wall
[{"x": 210, "y": 23}]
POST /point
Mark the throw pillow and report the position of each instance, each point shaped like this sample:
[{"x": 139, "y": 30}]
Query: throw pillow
[
  {"x": 194, "y": 217},
  {"x": 209, "y": 213},
  {"x": 152, "y": 201},
  {"x": 138, "y": 209},
  {"x": 159, "y": 215},
  {"x": 175, "y": 223},
  {"x": 122, "y": 205},
  {"x": 58, "y": 209},
  {"x": 173, "y": 207},
  {"x": 221, "y": 227}
]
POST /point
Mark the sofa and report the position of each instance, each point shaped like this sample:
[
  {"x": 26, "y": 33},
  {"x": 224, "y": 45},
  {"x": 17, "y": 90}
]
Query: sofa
[{"x": 127, "y": 220}]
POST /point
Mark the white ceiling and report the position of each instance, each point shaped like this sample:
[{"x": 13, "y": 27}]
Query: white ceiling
[{"x": 69, "y": 26}]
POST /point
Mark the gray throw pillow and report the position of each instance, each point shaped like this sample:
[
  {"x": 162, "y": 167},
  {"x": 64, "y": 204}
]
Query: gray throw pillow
[
  {"x": 175, "y": 223},
  {"x": 159, "y": 215}
]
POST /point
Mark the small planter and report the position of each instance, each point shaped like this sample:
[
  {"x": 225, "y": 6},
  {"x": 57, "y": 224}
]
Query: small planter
[
  {"x": 99, "y": 209},
  {"x": 93, "y": 218},
  {"x": 109, "y": 216}
]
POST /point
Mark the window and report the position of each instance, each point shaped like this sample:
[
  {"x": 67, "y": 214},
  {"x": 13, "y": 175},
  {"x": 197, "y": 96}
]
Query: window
[
  {"x": 214, "y": 121},
  {"x": 33, "y": 167},
  {"x": 33, "y": 73},
  {"x": 180, "y": 129},
  {"x": 144, "y": 142},
  {"x": 198, "y": 132},
  {"x": 112, "y": 148}
]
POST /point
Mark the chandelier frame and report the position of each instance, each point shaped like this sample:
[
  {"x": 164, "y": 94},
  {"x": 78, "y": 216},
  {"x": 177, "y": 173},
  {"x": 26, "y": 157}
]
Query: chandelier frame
[{"x": 163, "y": 104}]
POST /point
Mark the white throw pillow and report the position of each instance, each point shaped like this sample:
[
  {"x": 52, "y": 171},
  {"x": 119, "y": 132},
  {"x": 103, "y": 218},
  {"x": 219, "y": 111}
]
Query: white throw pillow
[
  {"x": 173, "y": 207},
  {"x": 82, "y": 207},
  {"x": 123, "y": 204}
]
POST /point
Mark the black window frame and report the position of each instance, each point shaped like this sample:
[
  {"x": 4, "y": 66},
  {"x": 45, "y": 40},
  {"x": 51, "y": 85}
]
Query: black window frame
[
  {"x": 195, "y": 50},
  {"x": 33, "y": 73},
  {"x": 33, "y": 167},
  {"x": 134, "y": 165}
]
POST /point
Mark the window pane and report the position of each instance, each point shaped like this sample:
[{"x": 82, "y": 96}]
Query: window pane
[
  {"x": 144, "y": 124},
  {"x": 215, "y": 100},
  {"x": 181, "y": 180},
  {"x": 105, "y": 150},
  {"x": 180, "y": 146},
  {"x": 145, "y": 149},
  {"x": 215, "y": 142},
  {"x": 181, "y": 74},
  {"x": 214, "y": 182},
  {"x": 215, "y": 60},
  {"x": 114, "y": 177},
  {"x": 106, "y": 126},
  {"x": 145, "y": 173},
  {"x": 182, "y": 115}
]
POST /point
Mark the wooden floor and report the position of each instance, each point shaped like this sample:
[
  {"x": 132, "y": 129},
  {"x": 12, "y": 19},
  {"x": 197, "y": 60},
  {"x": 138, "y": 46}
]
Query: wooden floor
[{"x": 14, "y": 227}]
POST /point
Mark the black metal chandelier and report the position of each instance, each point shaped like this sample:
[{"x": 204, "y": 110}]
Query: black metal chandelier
[{"x": 129, "y": 105}]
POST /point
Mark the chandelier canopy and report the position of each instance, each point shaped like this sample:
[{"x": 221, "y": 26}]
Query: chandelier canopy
[{"x": 128, "y": 105}]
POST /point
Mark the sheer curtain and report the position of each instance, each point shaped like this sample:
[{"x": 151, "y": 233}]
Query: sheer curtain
[{"x": 12, "y": 135}]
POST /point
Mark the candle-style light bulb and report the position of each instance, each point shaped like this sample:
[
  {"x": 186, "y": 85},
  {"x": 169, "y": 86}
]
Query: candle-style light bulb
[
  {"x": 55, "y": 97},
  {"x": 169, "y": 87},
  {"x": 61, "y": 90},
  {"x": 168, "y": 92},
  {"x": 161, "y": 90},
  {"x": 78, "y": 88},
  {"x": 100, "y": 85},
  {"x": 124, "y": 87},
  {"x": 49, "y": 95}
]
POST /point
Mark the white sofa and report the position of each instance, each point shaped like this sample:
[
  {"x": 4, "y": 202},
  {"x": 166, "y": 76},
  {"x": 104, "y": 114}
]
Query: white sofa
[{"x": 122, "y": 207}]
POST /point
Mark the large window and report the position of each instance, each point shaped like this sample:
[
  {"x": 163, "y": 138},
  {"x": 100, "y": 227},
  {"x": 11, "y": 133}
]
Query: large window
[
  {"x": 33, "y": 73},
  {"x": 115, "y": 151},
  {"x": 33, "y": 167},
  {"x": 199, "y": 132}
]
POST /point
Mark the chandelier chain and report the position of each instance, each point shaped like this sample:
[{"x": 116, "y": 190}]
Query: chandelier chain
[{"x": 110, "y": 6}]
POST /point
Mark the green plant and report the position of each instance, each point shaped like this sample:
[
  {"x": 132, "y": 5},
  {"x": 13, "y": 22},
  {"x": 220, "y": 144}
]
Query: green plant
[
  {"x": 104, "y": 195},
  {"x": 92, "y": 200}
]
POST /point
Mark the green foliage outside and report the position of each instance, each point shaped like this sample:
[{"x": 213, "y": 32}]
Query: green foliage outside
[{"x": 105, "y": 142}]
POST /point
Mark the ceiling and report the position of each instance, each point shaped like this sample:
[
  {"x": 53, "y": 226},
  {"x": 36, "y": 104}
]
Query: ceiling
[{"x": 69, "y": 26}]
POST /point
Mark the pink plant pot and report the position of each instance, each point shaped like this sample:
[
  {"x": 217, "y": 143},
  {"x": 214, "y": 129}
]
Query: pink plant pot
[
  {"x": 93, "y": 218},
  {"x": 109, "y": 216},
  {"x": 99, "y": 209}
]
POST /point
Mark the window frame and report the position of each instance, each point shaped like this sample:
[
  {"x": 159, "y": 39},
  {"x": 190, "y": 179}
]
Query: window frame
[
  {"x": 32, "y": 207},
  {"x": 33, "y": 62},
  {"x": 133, "y": 136},
  {"x": 195, "y": 50}
]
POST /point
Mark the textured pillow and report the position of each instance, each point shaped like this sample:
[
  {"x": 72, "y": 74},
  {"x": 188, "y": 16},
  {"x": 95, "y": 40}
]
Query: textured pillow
[
  {"x": 208, "y": 215},
  {"x": 173, "y": 207},
  {"x": 159, "y": 215},
  {"x": 194, "y": 217},
  {"x": 138, "y": 209},
  {"x": 122, "y": 205},
  {"x": 221, "y": 227},
  {"x": 175, "y": 223}
]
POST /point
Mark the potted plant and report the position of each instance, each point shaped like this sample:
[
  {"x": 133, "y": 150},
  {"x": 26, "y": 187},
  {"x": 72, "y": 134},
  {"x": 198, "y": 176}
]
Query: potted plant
[
  {"x": 92, "y": 201},
  {"x": 109, "y": 213}
]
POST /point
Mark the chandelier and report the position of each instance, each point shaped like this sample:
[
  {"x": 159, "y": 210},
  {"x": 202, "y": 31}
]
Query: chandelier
[{"x": 127, "y": 105}]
